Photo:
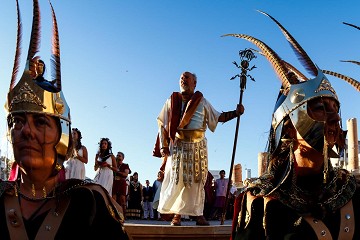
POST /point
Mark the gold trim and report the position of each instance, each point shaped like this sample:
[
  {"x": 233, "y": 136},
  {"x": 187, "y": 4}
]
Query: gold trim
[{"x": 26, "y": 94}]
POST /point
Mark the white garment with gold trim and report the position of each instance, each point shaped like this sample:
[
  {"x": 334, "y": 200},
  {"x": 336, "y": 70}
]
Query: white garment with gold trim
[{"x": 175, "y": 197}]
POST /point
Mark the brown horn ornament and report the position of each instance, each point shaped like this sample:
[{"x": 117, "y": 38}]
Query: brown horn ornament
[
  {"x": 350, "y": 80},
  {"x": 18, "y": 48},
  {"x": 299, "y": 51},
  {"x": 55, "y": 59}
]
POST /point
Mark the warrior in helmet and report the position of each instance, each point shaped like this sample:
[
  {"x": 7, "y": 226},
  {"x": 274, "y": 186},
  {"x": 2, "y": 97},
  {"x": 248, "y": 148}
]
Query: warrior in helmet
[
  {"x": 39, "y": 204},
  {"x": 301, "y": 195}
]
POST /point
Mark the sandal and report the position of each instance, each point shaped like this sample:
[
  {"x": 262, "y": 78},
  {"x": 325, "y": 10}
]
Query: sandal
[
  {"x": 176, "y": 221},
  {"x": 201, "y": 221}
]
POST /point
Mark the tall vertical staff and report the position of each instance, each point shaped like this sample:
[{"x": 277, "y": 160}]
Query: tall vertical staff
[{"x": 245, "y": 58}]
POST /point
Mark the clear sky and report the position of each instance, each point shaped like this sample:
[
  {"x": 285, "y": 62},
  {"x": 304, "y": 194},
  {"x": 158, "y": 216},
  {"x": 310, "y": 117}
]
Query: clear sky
[{"x": 122, "y": 59}]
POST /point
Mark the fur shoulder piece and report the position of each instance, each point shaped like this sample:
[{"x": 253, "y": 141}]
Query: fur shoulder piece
[
  {"x": 7, "y": 186},
  {"x": 113, "y": 207}
]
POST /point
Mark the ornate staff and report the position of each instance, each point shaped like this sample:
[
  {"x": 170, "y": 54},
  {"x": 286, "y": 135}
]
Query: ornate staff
[{"x": 245, "y": 57}]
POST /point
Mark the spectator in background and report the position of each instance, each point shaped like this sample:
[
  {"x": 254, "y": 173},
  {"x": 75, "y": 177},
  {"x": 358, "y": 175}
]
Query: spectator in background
[
  {"x": 209, "y": 195},
  {"x": 148, "y": 197},
  {"x": 120, "y": 186},
  {"x": 220, "y": 192},
  {"x": 157, "y": 188},
  {"x": 75, "y": 166},
  {"x": 128, "y": 181},
  {"x": 135, "y": 198},
  {"x": 232, "y": 197},
  {"x": 105, "y": 164}
]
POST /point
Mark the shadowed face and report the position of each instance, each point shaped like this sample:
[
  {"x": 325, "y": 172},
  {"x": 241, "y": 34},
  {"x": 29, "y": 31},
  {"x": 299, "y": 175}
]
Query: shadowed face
[
  {"x": 119, "y": 157},
  {"x": 135, "y": 177},
  {"x": 34, "y": 137},
  {"x": 326, "y": 110},
  {"x": 104, "y": 145},
  {"x": 75, "y": 135},
  {"x": 39, "y": 68}
]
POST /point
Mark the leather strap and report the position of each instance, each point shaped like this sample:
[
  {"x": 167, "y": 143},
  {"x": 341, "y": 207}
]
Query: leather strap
[
  {"x": 347, "y": 223},
  {"x": 249, "y": 200},
  {"x": 15, "y": 223},
  {"x": 266, "y": 201},
  {"x": 321, "y": 231},
  {"x": 51, "y": 223}
]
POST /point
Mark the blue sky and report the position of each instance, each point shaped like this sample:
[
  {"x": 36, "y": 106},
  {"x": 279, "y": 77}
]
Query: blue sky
[{"x": 122, "y": 59}]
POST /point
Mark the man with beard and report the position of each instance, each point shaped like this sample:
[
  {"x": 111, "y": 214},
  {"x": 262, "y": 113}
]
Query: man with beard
[{"x": 182, "y": 124}]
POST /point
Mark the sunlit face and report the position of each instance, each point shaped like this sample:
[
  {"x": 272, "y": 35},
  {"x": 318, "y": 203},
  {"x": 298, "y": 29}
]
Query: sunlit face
[
  {"x": 187, "y": 84},
  {"x": 326, "y": 110},
  {"x": 34, "y": 137}
]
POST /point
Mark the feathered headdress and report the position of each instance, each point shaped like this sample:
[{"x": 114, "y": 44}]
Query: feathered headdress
[
  {"x": 295, "y": 94},
  {"x": 352, "y": 61}
]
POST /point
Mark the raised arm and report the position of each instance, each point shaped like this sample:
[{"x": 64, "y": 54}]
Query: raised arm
[{"x": 227, "y": 116}]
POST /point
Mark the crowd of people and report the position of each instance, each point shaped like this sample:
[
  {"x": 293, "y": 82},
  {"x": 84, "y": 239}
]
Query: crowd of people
[{"x": 139, "y": 201}]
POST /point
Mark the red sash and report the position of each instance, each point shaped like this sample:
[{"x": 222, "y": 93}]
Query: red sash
[{"x": 175, "y": 114}]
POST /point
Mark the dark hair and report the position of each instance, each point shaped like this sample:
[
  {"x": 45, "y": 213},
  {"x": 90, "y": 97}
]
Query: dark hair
[
  {"x": 44, "y": 66},
  {"x": 104, "y": 154},
  {"x": 222, "y": 171},
  {"x": 78, "y": 144},
  {"x": 122, "y": 154}
]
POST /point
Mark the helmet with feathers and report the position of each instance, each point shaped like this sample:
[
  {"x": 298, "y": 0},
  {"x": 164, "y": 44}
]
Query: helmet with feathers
[{"x": 292, "y": 103}]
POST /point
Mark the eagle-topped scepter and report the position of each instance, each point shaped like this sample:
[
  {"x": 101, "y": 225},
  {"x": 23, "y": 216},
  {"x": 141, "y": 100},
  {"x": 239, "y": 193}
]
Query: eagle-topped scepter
[{"x": 245, "y": 58}]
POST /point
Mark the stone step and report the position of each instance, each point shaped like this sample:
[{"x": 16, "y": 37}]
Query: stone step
[{"x": 139, "y": 231}]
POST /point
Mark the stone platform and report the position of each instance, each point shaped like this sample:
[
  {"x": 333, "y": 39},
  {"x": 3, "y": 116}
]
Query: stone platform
[{"x": 161, "y": 230}]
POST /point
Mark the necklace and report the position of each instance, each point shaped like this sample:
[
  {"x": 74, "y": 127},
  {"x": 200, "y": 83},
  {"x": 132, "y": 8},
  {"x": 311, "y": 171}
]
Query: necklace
[
  {"x": 34, "y": 199},
  {"x": 135, "y": 185}
]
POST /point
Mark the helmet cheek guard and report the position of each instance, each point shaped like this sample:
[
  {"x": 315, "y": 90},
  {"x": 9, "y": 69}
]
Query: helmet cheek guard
[
  {"x": 295, "y": 106},
  {"x": 310, "y": 130}
]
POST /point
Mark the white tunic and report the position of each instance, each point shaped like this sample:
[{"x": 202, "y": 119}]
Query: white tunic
[
  {"x": 75, "y": 168},
  {"x": 175, "y": 197},
  {"x": 104, "y": 176}
]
